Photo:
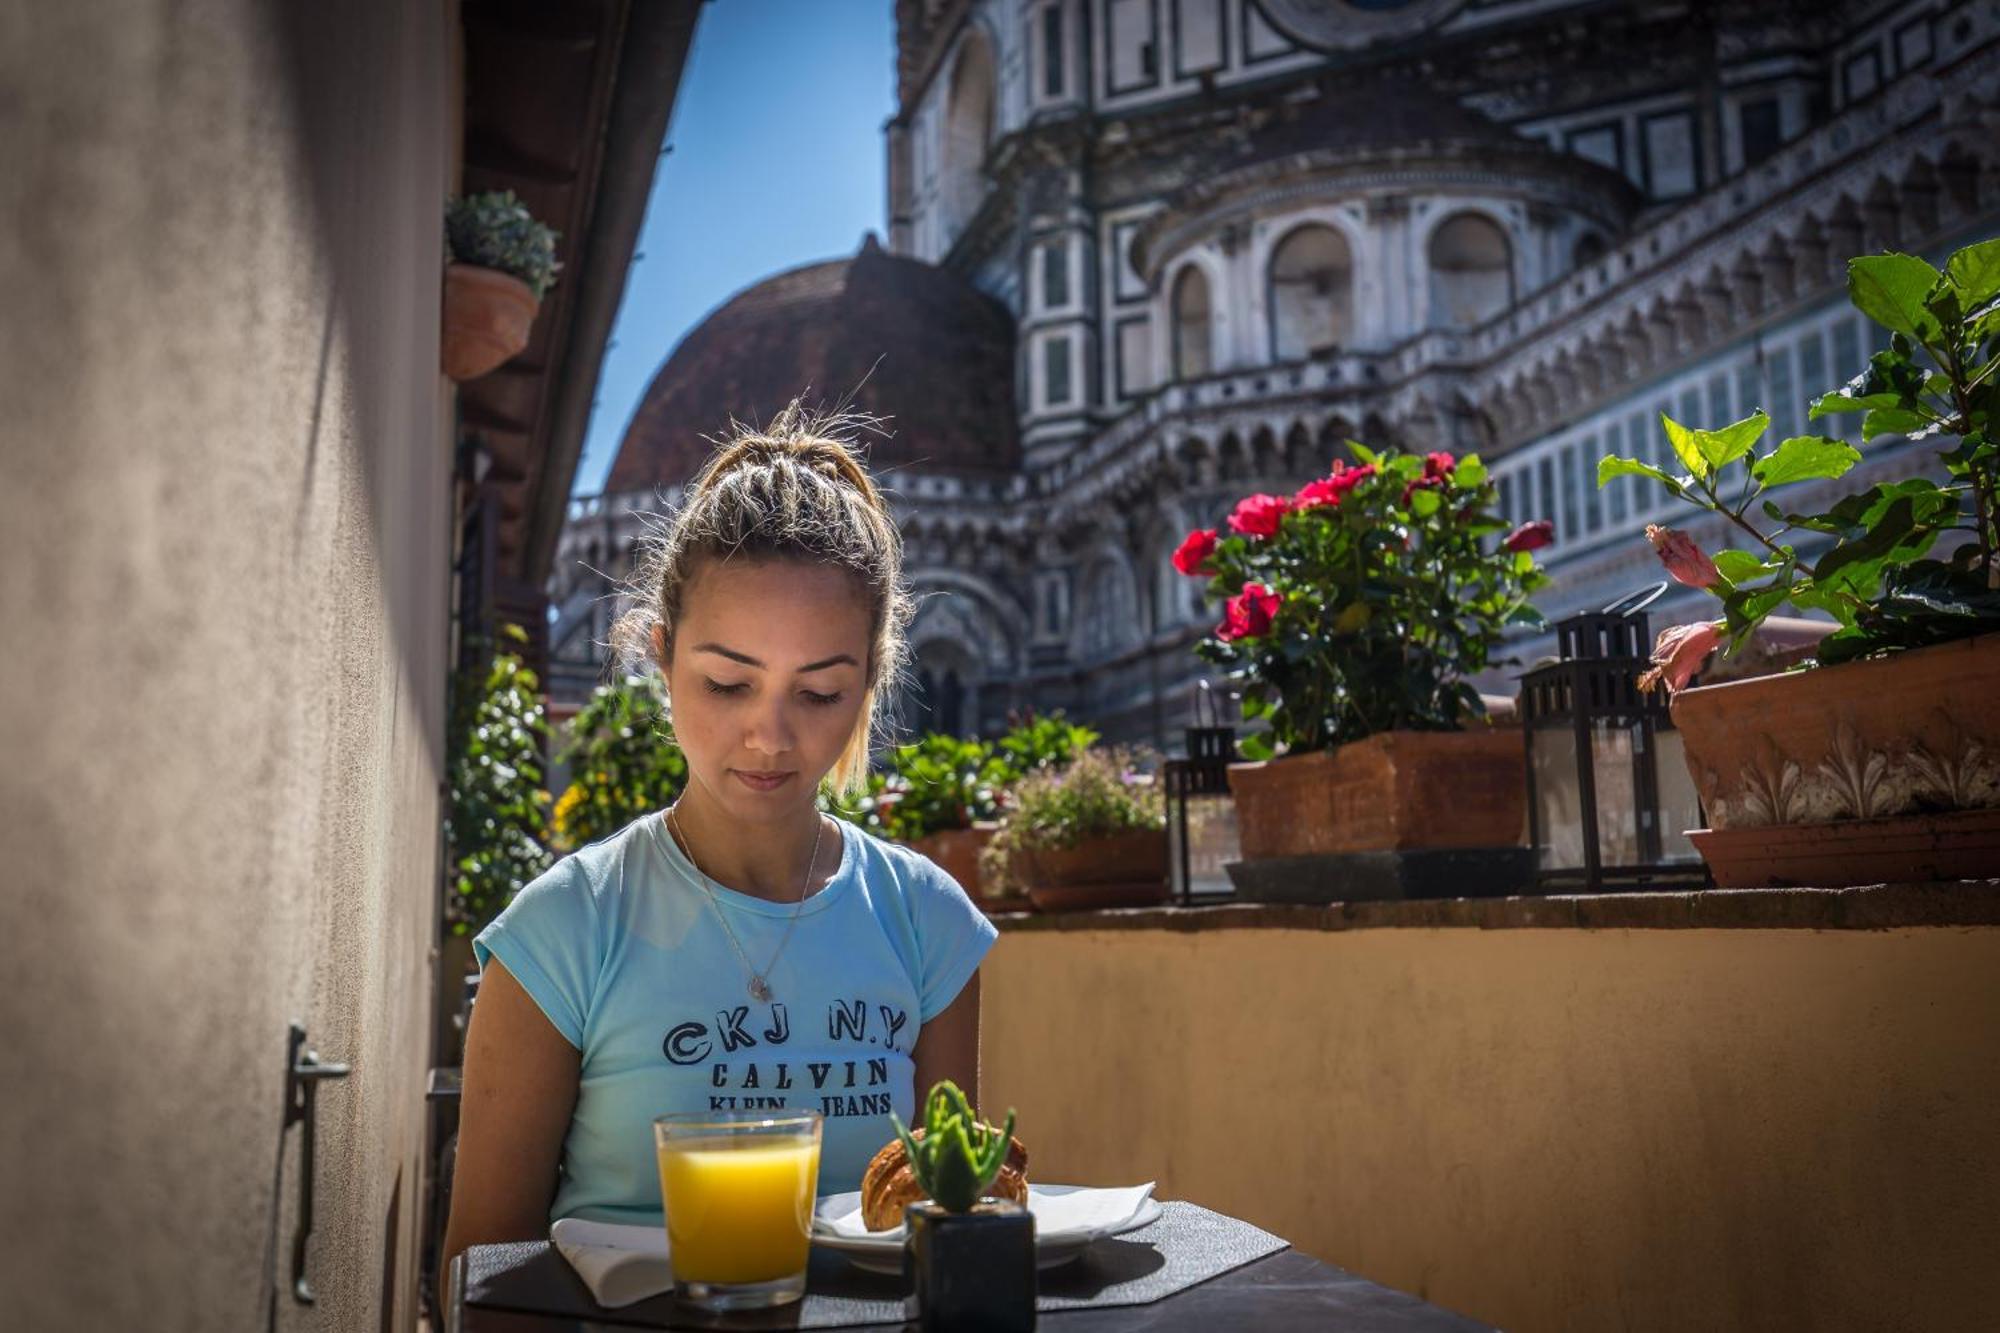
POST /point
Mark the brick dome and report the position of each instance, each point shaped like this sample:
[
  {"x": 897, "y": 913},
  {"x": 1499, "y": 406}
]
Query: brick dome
[{"x": 941, "y": 353}]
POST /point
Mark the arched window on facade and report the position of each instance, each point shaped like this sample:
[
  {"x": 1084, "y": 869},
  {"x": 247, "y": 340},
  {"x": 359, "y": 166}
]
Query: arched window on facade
[
  {"x": 1472, "y": 272},
  {"x": 1109, "y": 623},
  {"x": 1590, "y": 248},
  {"x": 1311, "y": 293},
  {"x": 968, "y": 131},
  {"x": 1193, "y": 325}
]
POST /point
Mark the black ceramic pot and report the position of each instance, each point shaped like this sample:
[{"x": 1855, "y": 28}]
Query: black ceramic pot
[{"x": 970, "y": 1272}]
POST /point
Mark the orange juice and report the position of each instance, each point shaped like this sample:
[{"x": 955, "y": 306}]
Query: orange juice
[{"x": 738, "y": 1210}]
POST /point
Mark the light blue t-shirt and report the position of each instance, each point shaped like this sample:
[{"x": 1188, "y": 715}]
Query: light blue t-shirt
[{"x": 628, "y": 959}]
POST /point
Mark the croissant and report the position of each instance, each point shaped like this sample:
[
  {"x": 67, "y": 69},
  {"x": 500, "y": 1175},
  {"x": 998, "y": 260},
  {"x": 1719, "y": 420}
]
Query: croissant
[{"x": 888, "y": 1185}]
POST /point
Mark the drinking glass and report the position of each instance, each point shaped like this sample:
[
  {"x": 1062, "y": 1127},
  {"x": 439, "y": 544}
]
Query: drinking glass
[{"x": 739, "y": 1188}]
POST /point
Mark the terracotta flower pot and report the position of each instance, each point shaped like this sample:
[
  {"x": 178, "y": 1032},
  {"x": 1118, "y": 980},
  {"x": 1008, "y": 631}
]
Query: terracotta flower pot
[
  {"x": 1893, "y": 741},
  {"x": 487, "y": 317},
  {"x": 957, "y": 853},
  {"x": 1117, "y": 870},
  {"x": 1395, "y": 791}
]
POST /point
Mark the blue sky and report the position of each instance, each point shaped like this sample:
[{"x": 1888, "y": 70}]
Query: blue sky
[{"x": 776, "y": 162}]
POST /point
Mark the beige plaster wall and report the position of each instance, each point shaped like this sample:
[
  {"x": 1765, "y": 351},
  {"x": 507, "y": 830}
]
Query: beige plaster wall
[
  {"x": 1548, "y": 1129},
  {"x": 223, "y": 523}
]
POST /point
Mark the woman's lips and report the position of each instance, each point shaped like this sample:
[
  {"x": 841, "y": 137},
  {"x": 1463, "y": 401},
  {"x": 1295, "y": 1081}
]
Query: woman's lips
[{"x": 760, "y": 781}]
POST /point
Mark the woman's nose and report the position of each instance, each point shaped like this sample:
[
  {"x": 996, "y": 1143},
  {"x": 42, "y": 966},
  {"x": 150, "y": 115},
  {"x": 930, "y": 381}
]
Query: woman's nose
[{"x": 770, "y": 730}]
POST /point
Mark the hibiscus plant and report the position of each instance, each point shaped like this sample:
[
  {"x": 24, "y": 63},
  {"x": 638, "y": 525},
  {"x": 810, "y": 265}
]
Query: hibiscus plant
[
  {"x": 1900, "y": 564},
  {"x": 1366, "y": 601}
]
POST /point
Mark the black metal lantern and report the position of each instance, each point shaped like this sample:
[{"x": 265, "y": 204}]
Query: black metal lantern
[
  {"x": 1609, "y": 796},
  {"x": 1201, "y": 813}
]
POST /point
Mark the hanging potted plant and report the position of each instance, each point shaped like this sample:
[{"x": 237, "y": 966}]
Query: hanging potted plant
[
  {"x": 501, "y": 263},
  {"x": 1881, "y": 760},
  {"x": 1092, "y": 835},
  {"x": 1356, "y": 612}
]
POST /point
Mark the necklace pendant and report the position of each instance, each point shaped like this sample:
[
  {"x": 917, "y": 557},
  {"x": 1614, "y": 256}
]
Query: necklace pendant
[{"x": 759, "y": 990}]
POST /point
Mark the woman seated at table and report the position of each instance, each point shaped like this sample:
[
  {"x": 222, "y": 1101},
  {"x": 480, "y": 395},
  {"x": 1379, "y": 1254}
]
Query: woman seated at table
[{"x": 741, "y": 949}]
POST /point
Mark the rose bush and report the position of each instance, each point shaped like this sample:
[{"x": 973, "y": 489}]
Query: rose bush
[{"x": 1365, "y": 601}]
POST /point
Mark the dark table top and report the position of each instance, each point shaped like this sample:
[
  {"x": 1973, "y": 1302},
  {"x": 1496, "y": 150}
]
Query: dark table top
[{"x": 529, "y": 1288}]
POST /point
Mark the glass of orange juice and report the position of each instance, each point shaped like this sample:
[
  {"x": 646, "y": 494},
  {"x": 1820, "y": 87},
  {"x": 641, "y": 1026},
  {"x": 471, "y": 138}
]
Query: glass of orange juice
[{"x": 738, "y": 1188}]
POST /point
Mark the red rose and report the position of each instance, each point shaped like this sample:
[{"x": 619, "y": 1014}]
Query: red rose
[
  {"x": 1531, "y": 536},
  {"x": 1260, "y": 515},
  {"x": 1195, "y": 551},
  {"x": 1437, "y": 474},
  {"x": 1248, "y": 613},
  {"x": 1329, "y": 490}
]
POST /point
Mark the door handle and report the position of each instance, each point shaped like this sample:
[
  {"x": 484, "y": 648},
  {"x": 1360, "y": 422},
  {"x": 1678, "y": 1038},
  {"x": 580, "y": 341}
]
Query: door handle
[{"x": 304, "y": 1072}]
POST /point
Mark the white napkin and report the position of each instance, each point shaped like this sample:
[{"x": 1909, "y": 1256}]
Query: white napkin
[
  {"x": 1062, "y": 1212},
  {"x": 620, "y": 1264}
]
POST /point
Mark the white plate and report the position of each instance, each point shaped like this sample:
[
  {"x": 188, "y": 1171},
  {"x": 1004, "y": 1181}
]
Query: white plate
[{"x": 882, "y": 1251}]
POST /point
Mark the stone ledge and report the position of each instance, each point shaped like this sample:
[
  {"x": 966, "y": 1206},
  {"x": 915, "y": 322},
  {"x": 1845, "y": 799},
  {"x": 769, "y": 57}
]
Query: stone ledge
[{"x": 1973, "y": 902}]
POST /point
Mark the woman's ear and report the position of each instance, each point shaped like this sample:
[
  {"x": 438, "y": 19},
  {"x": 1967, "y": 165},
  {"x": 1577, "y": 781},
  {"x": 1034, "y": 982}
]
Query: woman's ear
[{"x": 660, "y": 647}]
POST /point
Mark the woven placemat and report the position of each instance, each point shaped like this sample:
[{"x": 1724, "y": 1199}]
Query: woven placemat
[{"x": 1187, "y": 1246}]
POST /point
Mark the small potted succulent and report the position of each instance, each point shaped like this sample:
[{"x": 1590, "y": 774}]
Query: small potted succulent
[
  {"x": 1879, "y": 761},
  {"x": 1092, "y": 835},
  {"x": 1355, "y": 614},
  {"x": 968, "y": 1258},
  {"x": 502, "y": 262}
]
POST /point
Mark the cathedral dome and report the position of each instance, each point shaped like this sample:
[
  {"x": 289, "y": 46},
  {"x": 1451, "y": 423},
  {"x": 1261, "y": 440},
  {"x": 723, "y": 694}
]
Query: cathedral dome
[{"x": 937, "y": 357}]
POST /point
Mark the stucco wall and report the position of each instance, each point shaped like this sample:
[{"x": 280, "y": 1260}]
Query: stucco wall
[
  {"x": 224, "y": 510},
  {"x": 1548, "y": 1129}
]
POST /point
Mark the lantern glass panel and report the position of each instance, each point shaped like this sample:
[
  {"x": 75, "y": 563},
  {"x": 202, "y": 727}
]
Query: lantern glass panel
[
  {"x": 1611, "y": 758},
  {"x": 1680, "y": 806},
  {"x": 1212, "y": 844},
  {"x": 1558, "y": 805}
]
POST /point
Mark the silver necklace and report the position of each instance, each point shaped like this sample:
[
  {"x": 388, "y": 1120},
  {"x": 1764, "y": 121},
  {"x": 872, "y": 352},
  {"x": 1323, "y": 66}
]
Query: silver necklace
[{"x": 760, "y": 986}]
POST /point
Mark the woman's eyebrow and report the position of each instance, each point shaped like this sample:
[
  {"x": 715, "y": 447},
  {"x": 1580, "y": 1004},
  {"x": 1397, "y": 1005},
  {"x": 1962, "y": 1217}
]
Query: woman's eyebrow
[{"x": 838, "y": 659}]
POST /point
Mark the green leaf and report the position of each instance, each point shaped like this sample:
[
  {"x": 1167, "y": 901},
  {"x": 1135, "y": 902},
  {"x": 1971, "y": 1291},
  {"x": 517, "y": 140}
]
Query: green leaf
[
  {"x": 1609, "y": 469},
  {"x": 1685, "y": 447},
  {"x": 1975, "y": 273},
  {"x": 1854, "y": 396},
  {"x": 1362, "y": 451},
  {"x": 1470, "y": 472},
  {"x": 1891, "y": 289},
  {"x": 1804, "y": 458},
  {"x": 1742, "y": 566},
  {"x": 1425, "y": 502},
  {"x": 1890, "y": 421},
  {"x": 1900, "y": 533},
  {"x": 1732, "y": 441}
]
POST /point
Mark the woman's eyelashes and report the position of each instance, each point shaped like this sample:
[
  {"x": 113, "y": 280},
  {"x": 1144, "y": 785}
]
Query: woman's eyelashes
[{"x": 739, "y": 688}]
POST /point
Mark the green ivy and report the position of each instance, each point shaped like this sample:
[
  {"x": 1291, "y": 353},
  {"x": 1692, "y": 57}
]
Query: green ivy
[
  {"x": 1880, "y": 578},
  {"x": 495, "y": 820}
]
